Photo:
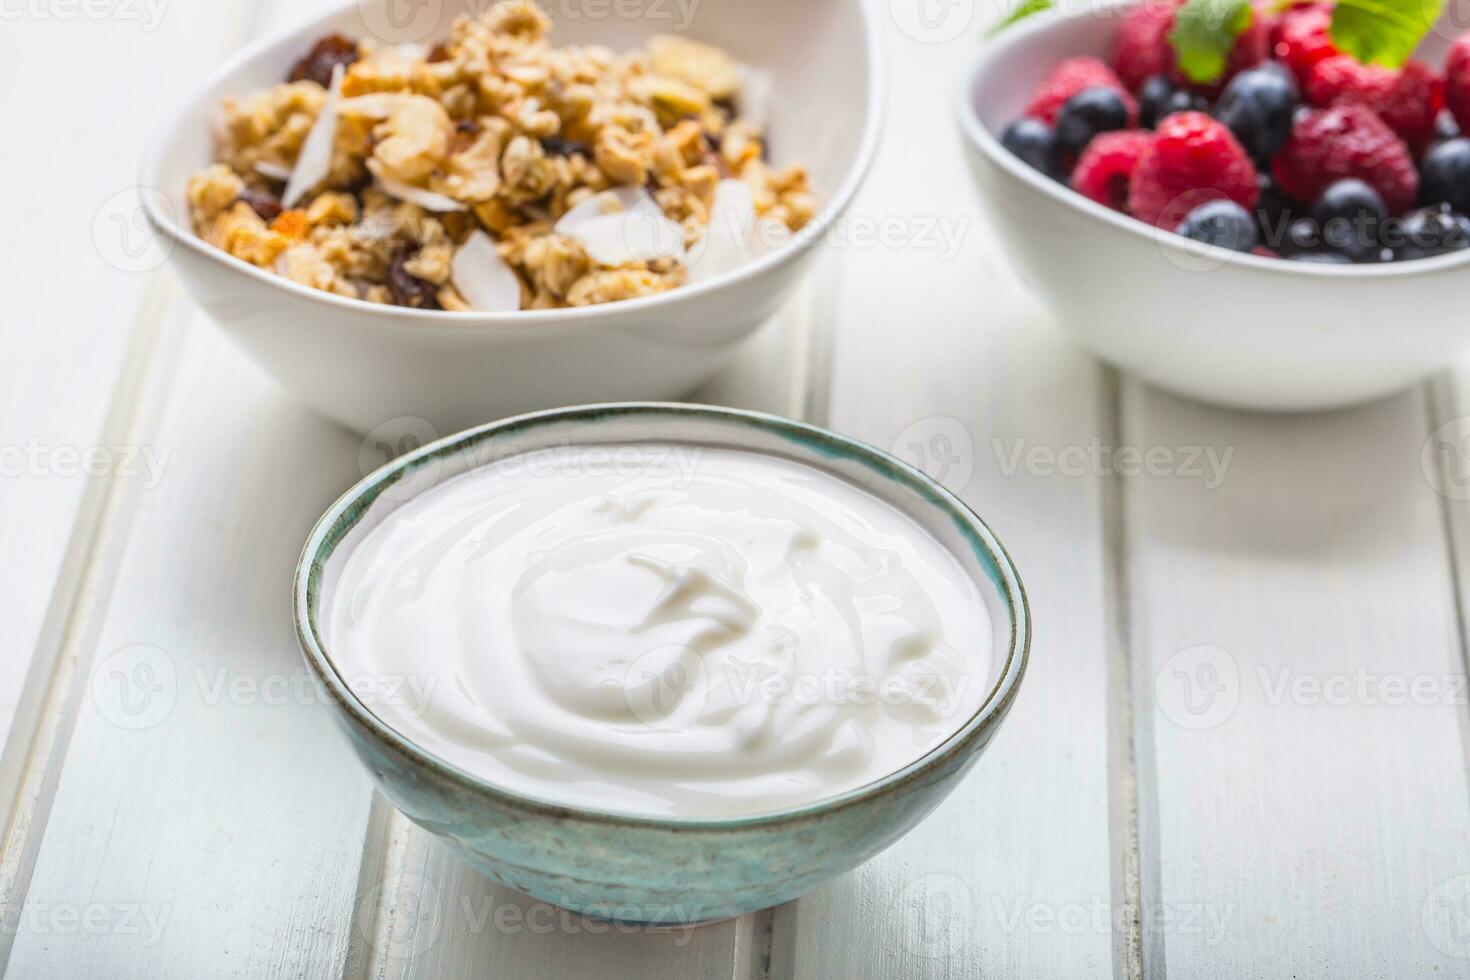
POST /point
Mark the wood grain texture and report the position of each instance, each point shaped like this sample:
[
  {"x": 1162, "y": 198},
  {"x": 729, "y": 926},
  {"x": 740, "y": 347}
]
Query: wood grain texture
[
  {"x": 941, "y": 356},
  {"x": 78, "y": 272},
  {"x": 1299, "y": 686}
]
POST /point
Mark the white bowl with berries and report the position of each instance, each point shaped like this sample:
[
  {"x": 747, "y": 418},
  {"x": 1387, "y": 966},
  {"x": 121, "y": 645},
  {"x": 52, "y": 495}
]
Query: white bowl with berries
[{"x": 1249, "y": 214}]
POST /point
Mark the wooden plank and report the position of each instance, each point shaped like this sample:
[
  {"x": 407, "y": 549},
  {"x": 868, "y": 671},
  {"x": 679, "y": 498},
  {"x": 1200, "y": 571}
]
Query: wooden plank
[
  {"x": 206, "y": 798},
  {"x": 1299, "y": 691},
  {"x": 77, "y": 267},
  {"x": 942, "y": 357}
]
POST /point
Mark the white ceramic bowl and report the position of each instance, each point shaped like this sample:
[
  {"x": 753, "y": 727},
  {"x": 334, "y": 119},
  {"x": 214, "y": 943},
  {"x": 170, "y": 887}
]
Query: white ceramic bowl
[
  {"x": 363, "y": 364},
  {"x": 1239, "y": 330}
]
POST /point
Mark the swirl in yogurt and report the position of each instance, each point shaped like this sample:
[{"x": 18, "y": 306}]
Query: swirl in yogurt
[{"x": 662, "y": 630}]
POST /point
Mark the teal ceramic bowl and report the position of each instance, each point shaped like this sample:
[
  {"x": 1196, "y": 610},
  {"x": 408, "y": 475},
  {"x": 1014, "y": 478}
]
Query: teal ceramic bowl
[{"x": 642, "y": 869}]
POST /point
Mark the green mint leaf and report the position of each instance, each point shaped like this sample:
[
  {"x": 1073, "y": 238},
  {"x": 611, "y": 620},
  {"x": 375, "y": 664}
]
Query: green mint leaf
[
  {"x": 1025, "y": 9},
  {"x": 1383, "y": 32},
  {"x": 1205, "y": 31}
]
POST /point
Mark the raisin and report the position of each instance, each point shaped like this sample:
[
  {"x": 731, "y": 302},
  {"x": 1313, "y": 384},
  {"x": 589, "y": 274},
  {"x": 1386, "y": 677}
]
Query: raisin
[
  {"x": 326, "y": 54},
  {"x": 714, "y": 140},
  {"x": 408, "y": 289},
  {"x": 559, "y": 147},
  {"x": 263, "y": 203},
  {"x": 467, "y": 126}
]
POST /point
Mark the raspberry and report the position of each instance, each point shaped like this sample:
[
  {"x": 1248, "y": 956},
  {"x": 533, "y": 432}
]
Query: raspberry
[
  {"x": 1301, "y": 39},
  {"x": 1106, "y": 167},
  {"x": 1457, "y": 81},
  {"x": 1141, "y": 47},
  {"x": 1346, "y": 140},
  {"x": 1408, "y": 99},
  {"x": 1193, "y": 159},
  {"x": 1070, "y": 77}
]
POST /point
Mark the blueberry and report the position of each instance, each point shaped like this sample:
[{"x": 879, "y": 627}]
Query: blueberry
[
  {"x": 1427, "y": 232},
  {"x": 1222, "y": 223},
  {"x": 1323, "y": 258},
  {"x": 1033, "y": 142},
  {"x": 1445, "y": 127},
  {"x": 1350, "y": 214},
  {"x": 1184, "y": 101},
  {"x": 1156, "y": 90},
  {"x": 1257, "y": 106},
  {"x": 1444, "y": 176},
  {"x": 1303, "y": 236},
  {"x": 1089, "y": 112},
  {"x": 1275, "y": 210}
]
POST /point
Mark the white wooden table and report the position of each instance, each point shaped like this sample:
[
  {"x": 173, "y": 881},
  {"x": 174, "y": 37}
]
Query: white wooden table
[{"x": 1240, "y": 750}]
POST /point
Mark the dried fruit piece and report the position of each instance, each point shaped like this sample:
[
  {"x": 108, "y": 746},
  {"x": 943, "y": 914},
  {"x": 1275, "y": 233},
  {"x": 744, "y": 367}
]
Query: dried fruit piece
[
  {"x": 408, "y": 289},
  {"x": 263, "y": 203},
  {"x": 325, "y": 55}
]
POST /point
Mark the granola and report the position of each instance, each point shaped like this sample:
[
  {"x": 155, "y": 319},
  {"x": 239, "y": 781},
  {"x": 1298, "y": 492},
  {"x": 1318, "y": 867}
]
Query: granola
[{"x": 498, "y": 172}]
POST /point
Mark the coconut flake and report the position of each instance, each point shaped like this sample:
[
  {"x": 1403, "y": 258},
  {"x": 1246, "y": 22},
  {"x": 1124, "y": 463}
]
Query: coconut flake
[
  {"x": 630, "y": 236},
  {"x": 426, "y": 199},
  {"x": 756, "y": 87},
  {"x": 483, "y": 278},
  {"x": 623, "y": 225},
  {"x": 314, "y": 161},
  {"x": 273, "y": 170},
  {"x": 625, "y": 198},
  {"x": 731, "y": 240}
]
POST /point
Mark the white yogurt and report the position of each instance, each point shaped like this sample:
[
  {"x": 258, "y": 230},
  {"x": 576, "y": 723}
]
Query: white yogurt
[{"x": 661, "y": 630}]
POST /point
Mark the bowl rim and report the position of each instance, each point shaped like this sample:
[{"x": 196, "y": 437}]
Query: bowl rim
[
  {"x": 988, "y": 143},
  {"x": 164, "y": 222},
  {"x": 809, "y": 443}
]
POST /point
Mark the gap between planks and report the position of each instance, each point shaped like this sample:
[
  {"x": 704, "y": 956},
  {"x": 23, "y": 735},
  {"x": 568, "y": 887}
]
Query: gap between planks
[
  {"x": 31, "y": 764},
  {"x": 1442, "y": 407},
  {"x": 1123, "y": 734}
]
